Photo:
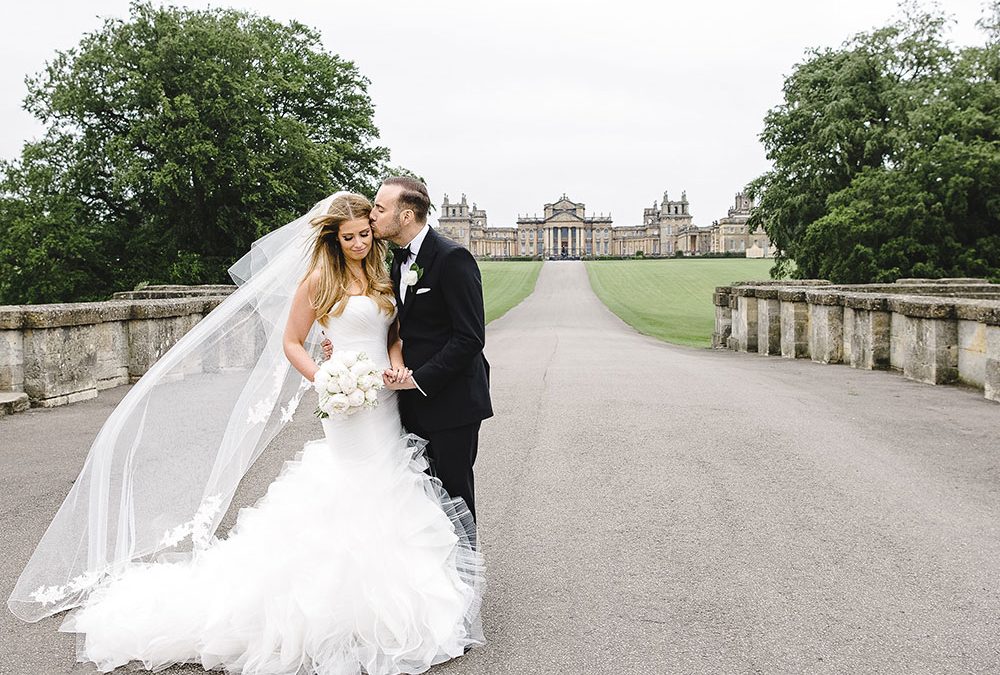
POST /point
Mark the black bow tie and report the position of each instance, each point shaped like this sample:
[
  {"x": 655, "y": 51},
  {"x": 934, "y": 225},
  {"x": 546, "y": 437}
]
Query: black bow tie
[{"x": 401, "y": 254}]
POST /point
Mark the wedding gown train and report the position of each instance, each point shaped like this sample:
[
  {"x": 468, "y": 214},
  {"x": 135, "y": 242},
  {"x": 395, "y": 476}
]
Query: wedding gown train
[{"x": 354, "y": 561}]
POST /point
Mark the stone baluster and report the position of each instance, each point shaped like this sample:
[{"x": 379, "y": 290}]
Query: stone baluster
[
  {"x": 794, "y": 323},
  {"x": 826, "y": 326},
  {"x": 991, "y": 374},
  {"x": 929, "y": 338},
  {"x": 723, "y": 317},
  {"x": 867, "y": 336},
  {"x": 768, "y": 321},
  {"x": 744, "y": 336}
]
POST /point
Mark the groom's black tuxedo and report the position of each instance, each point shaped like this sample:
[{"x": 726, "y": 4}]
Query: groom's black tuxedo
[{"x": 442, "y": 326}]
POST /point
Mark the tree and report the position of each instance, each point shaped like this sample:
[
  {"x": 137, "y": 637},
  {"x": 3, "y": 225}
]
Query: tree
[
  {"x": 173, "y": 140},
  {"x": 886, "y": 157}
]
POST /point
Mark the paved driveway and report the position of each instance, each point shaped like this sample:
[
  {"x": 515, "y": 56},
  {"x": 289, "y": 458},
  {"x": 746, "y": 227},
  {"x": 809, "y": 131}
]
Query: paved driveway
[{"x": 646, "y": 508}]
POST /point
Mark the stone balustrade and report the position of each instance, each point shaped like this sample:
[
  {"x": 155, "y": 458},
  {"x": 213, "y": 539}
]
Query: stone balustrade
[
  {"x": 936, "y": 331},
  {"x": 60, "y": 353}
]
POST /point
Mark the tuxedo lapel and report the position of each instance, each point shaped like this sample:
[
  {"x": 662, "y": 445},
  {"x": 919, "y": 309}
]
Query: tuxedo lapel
[{"x": 425, "y": 258}]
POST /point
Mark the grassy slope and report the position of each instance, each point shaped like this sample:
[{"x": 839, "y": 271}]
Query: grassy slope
[
  {"x": 670, "y": 299},
  {"x": 505, "y": 284}
]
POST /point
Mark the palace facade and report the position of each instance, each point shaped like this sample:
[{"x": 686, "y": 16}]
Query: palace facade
[{"x": 564, "y": 230}]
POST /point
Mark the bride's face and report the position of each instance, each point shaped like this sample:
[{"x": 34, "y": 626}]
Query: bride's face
[{"x": 355, "y": 237}]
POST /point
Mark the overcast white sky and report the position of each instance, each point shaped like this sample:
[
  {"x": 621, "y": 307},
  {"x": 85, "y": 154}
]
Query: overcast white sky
[{"x": 516, "y": 102}]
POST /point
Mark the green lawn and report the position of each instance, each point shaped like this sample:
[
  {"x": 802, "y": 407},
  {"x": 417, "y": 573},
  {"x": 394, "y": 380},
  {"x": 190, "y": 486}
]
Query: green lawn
[
  {"x": 505, "y": 284},
  {"x": 670, "y": 299}
]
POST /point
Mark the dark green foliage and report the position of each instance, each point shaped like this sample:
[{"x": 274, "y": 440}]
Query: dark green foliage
[
  {"x": 173, "y": 140},
  {"x": 886, "y": 158}
]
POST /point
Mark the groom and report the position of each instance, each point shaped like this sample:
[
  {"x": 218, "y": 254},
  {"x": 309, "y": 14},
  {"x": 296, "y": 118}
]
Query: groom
[{"x": 439, "y": 293}]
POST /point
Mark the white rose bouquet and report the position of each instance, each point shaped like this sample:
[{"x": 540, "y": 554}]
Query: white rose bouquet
[{"x": 347, "y": 382}]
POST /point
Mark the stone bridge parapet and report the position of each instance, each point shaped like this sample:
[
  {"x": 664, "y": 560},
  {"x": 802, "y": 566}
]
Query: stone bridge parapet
[
  {"x": 938, "y": 331},
  {"x": 55, "y": 354}
]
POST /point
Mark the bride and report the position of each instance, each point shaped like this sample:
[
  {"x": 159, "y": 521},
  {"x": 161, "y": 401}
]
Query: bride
[{"x": 354, "y": 561}]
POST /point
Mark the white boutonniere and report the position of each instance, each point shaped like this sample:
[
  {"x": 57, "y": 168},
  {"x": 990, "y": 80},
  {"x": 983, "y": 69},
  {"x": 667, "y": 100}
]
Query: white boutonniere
[{"x": 412, "y": 275}]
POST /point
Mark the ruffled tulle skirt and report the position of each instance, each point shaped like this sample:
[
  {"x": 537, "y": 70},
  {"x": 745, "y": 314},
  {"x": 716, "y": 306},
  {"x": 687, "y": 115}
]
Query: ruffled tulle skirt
[{"x": 355, "y": 561}]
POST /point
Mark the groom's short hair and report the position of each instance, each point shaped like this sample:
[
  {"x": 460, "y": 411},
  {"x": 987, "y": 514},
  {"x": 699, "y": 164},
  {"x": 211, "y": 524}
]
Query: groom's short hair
[{"x": 412, "y": 196}]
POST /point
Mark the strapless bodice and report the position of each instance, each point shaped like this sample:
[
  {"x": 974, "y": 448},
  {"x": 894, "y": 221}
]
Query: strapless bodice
[{"x": 362, "y": 326}]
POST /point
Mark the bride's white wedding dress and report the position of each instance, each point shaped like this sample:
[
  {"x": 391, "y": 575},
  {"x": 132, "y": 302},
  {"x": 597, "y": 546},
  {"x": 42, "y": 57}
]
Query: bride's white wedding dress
[{"x": 354, "y": 561}]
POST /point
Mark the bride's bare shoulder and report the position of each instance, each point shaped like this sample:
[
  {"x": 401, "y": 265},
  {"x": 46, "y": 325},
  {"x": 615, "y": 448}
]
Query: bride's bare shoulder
[
  {"x": 313, "y": 281},
  {"x": 309, "y": 288}
]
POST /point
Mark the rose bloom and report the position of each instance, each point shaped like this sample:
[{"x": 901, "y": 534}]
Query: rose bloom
[
  {"x": 356, "y": 398},
  {"x": 339, "y": 403},
  {"x": 347, "y": 383},
  {"x": 336, "y": 368},
  {"x": 371, "y": 395},
  {"x": 409, "y": 277},
  {"x": 348, "y": 358},
  {"x": 361, "y": 368}
]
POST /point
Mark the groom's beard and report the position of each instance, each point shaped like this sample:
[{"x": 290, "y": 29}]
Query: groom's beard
[{"x": 395, "y": 227}]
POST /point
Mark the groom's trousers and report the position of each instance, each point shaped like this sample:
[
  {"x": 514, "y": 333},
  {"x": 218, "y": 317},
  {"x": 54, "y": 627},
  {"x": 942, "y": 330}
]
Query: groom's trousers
[{"x": 452, "y": 452}]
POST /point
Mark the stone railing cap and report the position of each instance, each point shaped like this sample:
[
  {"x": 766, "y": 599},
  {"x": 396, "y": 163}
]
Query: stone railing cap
[
  {"x": 792, "y": 294},
  {"x": 985, "y": 311},
  {"x": 922, "y": 307},
  {"x": 824, "y": 297},
  {"x": 867, "y": 301},
  {"x": 13, "y": 317},
  {"x": 947, "y": 281},
  {"x": 990, "y": 316}
]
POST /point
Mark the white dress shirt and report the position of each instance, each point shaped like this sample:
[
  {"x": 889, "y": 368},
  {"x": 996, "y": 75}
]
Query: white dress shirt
[{"x": 414, "y": 249}]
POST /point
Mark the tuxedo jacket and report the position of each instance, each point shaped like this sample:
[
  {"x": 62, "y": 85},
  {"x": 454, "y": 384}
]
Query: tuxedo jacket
[{"x": 443, "y": 329}]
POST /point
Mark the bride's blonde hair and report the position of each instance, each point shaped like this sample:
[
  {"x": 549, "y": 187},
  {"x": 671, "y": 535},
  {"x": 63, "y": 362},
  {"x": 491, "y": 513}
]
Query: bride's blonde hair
[{"x": 328, "y": 256}]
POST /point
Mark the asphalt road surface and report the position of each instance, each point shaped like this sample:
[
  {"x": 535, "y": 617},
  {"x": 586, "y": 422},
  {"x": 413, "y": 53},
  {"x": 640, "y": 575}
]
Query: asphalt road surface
[{"x": 646, "y": 508}]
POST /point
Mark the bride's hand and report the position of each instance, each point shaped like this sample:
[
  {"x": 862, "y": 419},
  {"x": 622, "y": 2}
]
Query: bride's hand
[
  {"x": 327, "y": 348},
  {"x": 395, "y": 375},
  {"x": 405, "y": 383}
]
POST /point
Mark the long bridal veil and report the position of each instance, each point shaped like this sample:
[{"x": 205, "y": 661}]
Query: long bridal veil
[{"x": 164, "y": 467}]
